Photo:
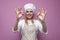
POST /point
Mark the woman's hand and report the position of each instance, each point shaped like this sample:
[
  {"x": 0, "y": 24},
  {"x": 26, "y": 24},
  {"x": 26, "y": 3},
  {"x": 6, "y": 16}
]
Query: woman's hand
[
  {"x": 19, "y": 13},
  {"x": 41, "y": 14}
]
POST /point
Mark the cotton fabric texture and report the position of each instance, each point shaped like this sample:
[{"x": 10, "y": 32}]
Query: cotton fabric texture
[
  {"x": 29, "y": 6},
  {"x": 29, "y": 32}
]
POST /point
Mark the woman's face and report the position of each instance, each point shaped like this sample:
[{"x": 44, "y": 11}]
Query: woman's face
[{"x": 29, "y": 14}]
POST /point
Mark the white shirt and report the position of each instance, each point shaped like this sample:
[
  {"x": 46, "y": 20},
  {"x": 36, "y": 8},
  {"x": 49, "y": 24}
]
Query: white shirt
[
  {"x": 37, "y": 23},
  {"x": 29, "y": 32}
]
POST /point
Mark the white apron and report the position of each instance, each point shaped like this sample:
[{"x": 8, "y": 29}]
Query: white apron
[{"x": 29, "y": 32}]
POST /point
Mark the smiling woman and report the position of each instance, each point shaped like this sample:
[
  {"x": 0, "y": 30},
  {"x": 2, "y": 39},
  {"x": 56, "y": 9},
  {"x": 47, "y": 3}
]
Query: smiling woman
[{"x": 29, "y": 25}]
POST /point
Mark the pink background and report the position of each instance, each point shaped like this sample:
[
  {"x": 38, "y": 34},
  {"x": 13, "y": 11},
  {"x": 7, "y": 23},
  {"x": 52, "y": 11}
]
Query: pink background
[{"x": 7, "y": 18}]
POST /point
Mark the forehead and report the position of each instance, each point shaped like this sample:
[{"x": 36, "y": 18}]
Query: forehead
[{"x": 29, "y": 10}]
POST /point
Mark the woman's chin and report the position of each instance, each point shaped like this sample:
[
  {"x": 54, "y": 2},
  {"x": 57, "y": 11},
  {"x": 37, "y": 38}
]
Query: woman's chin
[{"x": 29, "y": 17}]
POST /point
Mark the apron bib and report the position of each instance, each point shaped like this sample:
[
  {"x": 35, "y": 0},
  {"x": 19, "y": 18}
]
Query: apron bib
[{"x": 29, "y": 32}]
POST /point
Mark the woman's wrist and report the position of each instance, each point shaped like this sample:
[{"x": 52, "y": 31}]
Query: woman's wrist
[
  {"x": 43, "y": 21},
  {"x": 17, "y": 19}
]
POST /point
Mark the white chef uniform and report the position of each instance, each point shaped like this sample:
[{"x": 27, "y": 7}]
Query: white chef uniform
[{"x": 29, "y": 32}]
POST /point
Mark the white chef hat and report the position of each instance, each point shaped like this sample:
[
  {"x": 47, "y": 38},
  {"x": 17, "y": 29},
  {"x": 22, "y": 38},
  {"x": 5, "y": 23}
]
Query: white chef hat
[{"x": 29, "y": 6}]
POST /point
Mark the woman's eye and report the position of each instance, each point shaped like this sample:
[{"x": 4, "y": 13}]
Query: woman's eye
[
  {"x": 27, "y": 11},
  {"x": 31, "y": 11}
]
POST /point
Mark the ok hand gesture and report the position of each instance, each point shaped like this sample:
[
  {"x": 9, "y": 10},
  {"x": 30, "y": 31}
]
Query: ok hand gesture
[
  {"x": 19, "y": 12},
  {"x": 41, "y": 14}
]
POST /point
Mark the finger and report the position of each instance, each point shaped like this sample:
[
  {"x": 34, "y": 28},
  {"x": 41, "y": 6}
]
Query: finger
[
  {"x": 18, "y": 9},
  {"x": 39, "y": 10},
  {"x": 45, "y": 12},
  {"x": 38, "y": 13},
  {"x": 42, "y": 8}
]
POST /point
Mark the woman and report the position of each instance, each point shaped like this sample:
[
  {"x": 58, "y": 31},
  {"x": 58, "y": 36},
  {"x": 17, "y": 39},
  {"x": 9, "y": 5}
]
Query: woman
[{"x": 29, "y": 25}]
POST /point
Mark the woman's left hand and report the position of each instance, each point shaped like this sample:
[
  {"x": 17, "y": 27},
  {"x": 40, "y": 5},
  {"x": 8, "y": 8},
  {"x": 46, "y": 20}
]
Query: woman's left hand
[{"x": 41, "y": 14}]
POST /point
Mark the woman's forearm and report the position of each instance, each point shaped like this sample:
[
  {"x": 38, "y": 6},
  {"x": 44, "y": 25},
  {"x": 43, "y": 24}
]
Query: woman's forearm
[
  {"x": 44, "y": 26},
  {"x": 16, "y": 24}
]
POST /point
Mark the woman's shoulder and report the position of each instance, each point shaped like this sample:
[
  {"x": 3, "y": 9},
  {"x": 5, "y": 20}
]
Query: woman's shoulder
[
  {"x": 21, "y": 20},
  {"x": 36, "y": 20}
]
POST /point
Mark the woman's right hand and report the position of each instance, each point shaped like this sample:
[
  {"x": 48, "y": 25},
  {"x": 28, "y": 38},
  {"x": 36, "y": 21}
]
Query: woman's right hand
[{"x": 19, "y": 13}]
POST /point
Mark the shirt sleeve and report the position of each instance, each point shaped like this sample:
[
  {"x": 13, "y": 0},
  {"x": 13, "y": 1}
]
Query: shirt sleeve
[
  {"x": 19, "y": 26},
  {"x": 40, "y": 27}
]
